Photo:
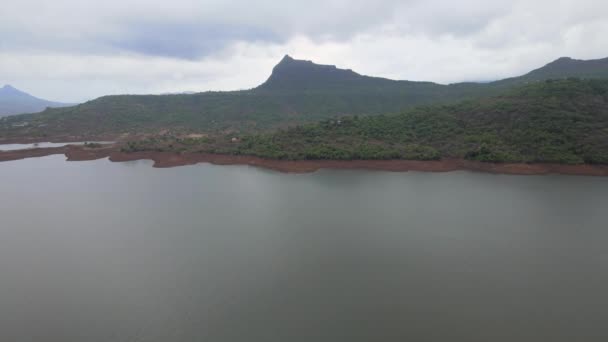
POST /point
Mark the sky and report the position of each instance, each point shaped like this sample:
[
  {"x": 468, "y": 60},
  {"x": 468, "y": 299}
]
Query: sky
[{"x": 77, "y": 50}]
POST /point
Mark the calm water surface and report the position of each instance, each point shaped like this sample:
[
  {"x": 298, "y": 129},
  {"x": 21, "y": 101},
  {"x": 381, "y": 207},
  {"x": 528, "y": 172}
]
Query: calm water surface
[{"x": 100, "y": 251}]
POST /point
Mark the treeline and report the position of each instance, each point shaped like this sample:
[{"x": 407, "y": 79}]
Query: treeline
[{"x": 560, "y": 121}]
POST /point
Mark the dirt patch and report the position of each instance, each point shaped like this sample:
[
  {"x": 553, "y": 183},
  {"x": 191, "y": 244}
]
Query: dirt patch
[{"x": 169, "y": 159}]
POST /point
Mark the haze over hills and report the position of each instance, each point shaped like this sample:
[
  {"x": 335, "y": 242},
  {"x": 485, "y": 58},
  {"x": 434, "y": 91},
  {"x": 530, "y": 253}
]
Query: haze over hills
[
  {"x": 297, "y": 91},
  {"x": 14, "y": 101}
]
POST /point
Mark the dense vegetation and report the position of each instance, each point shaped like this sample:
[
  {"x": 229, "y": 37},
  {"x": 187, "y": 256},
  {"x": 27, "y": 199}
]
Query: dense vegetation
[
  {"x": 561, "y": 121},
  {"x": 297, "y": 92}
]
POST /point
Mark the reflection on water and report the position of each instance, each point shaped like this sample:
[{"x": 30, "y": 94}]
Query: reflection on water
[{"x": 99, "y": 251}]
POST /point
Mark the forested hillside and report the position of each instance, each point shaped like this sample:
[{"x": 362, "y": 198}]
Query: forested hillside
[
  {"x": 561, "y": 121},
  {"x": 296, "y": 92}
]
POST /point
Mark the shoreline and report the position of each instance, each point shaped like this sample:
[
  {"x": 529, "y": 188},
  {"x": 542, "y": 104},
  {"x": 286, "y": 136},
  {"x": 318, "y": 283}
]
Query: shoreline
[
  {"x": 171, "y": 159},
  {"x": 60, "y": 139}
]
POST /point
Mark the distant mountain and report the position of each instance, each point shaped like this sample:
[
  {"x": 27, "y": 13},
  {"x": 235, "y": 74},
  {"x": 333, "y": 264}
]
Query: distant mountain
[
  {"x": 292, "y": 74},
  {"x": 14, "y": 101},
  {"x": 305, "y": 77},
  {"x": 297, "y": 91},
  {"x": 564, "y": 67},
  {"x": 299, "y": 75}
]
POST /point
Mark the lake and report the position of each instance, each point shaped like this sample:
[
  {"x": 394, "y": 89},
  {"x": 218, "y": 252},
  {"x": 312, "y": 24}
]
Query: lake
[{"x": 100, "y": 251}]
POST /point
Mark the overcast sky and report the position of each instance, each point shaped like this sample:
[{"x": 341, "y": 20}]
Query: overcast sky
[{"x": 75, "y": 50}]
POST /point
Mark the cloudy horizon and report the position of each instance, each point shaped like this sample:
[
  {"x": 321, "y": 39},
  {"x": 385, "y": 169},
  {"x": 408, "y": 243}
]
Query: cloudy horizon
[{"x": 70, "y": 51}]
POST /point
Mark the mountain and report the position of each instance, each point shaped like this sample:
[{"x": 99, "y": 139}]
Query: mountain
[
  {"x": 305, "y": 78},
  {"x": 558, "y": 121},
  {"x": 563, "y": 68},
  {"x": 292, "y": 74},
  {"x": 14, "y": 101},
  {"x": 297, "y": 91}
]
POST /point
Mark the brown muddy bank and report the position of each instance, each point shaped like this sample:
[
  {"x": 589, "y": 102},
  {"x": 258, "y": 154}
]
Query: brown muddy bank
[{"x": 170, "y": 159}]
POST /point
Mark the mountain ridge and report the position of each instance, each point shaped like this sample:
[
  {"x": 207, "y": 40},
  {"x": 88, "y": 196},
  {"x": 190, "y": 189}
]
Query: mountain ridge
[
  {"x": 564, "y": 67},
  {"x": 296, "y": 92}
]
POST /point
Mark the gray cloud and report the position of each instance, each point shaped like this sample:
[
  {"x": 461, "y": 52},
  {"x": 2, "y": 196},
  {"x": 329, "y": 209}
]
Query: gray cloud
[
  {"x": 186, "y": 40},
  {"x": 181, "y": 28}
]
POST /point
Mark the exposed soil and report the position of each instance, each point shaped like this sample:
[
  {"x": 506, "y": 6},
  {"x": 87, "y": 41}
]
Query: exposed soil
[
  {"x": 31, "y": 153},
  {"x": 62, "y": 139},
  {"x": 169, "y": 159}
]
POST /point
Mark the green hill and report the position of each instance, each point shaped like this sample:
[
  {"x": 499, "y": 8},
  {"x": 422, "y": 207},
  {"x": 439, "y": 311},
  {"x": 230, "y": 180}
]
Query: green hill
[
  {"x": 561, "y": 121},
  {"x": 296, "y": 92},
  {"x": 564, "y": 67}
]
